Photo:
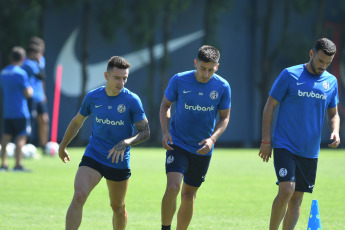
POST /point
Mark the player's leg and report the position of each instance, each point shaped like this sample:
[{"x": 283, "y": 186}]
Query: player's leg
[
  {"x": 168, "y": 207},
  {"x": 285, "y": 192},
  {"x": 185, "y": 212},
  {"x": 22, "y": 129},
  {"x": 5, "y": 139},
  {"x": 293, "y": 211},
  {"x": 42, "y": 123},
  {"x": 285, "y": 168},
  {"x": 85, "y": 180},
  {"x": 193, "y": 178},
  {"x": 305, "y": 181},
  {"x": 175, "y": 165},
  {"x": 117, "y": 195},
  {"x": 20, "y": 141}
]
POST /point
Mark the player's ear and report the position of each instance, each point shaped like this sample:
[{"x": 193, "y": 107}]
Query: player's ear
[
  {"x": 106, "y": 75},
  {"x": 311, "y": 53},
  {"x": 195, "y": 63},
  {"x": 216, "y": 67}
]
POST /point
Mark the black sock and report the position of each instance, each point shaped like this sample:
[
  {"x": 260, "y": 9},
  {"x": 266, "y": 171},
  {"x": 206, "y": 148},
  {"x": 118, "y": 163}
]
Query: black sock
[{"x": 166, "y": 227}]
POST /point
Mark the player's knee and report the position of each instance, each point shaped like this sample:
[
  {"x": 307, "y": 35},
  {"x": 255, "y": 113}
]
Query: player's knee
[
  {"x": 173, "y": 189},
  {"x": 296, "y": 200},
  {"x": 118, "y": 209},
  {"x": 286, "y": 192},
  {"x": 188, "y": 197},
  {"x": 80, "y": 197}
]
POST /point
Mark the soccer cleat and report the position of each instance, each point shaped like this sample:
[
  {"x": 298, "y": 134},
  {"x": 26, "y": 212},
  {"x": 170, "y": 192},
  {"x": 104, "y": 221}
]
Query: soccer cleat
[
  {"x": 3, "y": 168},
  {"x": 21, "y": 168}
]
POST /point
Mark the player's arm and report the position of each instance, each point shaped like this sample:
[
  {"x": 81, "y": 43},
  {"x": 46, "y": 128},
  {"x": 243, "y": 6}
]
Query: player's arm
[
  {"x": 72, "y": 130},
  {"x": 164, "y": 117},
  {"x": 142, "y": 135},
  {"x": 224, "y": 116},
  {"x": 28, "y": 92},
  {"x": 334, "y": 126},
  {"x": 267, "y": 118}
]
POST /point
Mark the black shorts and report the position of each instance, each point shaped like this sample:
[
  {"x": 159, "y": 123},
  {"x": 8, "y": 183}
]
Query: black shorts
[
  {"x": 17, "y": 127},
  {"x": 37, "y": 108},
  {"x": 108, "y": 173},
  {"x": 193, "y": 167},
  {"x": 290, "y": 167}
]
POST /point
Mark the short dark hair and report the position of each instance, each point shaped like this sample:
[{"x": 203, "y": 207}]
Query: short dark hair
[
  {"x": 18, "y": 53},
  {"x": 208, "y": 53},
  {"x": 326, "y": 45},
  {"x": 34, "y": 48},
  {"x": 36, "y": 40},
  {"x": 119, "y": 62}
]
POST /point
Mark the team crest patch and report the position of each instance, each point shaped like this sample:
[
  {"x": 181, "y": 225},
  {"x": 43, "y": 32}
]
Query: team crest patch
[
  {"x": 282, "y": 172},
  {"x": 325, "y": 85},
  {"x": 121, "y": 108},
  {"x": 170, "y": 159},
  {"x": 214, "y": 95}
]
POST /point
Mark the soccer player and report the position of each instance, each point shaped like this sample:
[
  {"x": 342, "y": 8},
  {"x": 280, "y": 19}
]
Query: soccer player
[
  {"x": 115, "y": 111},
  {"x": 305, "y": 93},
  {"x": 16, "y": 89},
  {"x": 199, "y": 96},
  {"x": 34, "y": 66}
]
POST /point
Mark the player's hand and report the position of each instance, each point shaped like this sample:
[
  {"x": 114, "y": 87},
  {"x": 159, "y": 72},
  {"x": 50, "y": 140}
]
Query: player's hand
[
  {"x": 63, "y": 154},
  {"x": 117, "y": 151},
  {"x": 336, "y": 140},
  {"x": 265, "y": 152},
  {"x": 207, "y": 146},
  {"x": 167, "y": 138}
]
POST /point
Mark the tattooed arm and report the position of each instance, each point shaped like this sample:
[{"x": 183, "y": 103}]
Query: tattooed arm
[{"x": 142, "y": 135}]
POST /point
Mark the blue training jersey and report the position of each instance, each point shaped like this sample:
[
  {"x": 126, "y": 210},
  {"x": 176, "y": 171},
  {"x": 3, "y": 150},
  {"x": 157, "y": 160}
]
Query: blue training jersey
[
  {"x": 113, "y": 119},
  {"x": 304, "y": 99},
  {"x": 32, "y": 68},
  {"x": 14, "y": 81},
  {"x": 196, "y": 109}
]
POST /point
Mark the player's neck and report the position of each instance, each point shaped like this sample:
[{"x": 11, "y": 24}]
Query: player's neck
[
  {"x": 111, "y": 93},
  {"x": 310, "y": 70}
]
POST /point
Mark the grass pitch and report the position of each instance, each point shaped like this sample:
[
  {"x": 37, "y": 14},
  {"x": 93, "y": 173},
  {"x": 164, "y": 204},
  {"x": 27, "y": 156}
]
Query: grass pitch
[{"x": 237, "y": 194}]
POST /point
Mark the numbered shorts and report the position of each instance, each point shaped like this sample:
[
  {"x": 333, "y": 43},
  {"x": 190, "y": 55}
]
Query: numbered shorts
[
  {"x": 194, "y": 167},
  {"x": 290, "y": 167},
  {"x": 107, "y": 172},
  {"x": 17, "y": 127}
]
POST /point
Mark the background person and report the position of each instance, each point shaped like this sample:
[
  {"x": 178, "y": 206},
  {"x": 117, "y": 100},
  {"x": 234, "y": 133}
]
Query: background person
[
  {"x": 305, "y": 93},
  {"x": 35, "y": 67},
  {"x": 16, "y": 118}
]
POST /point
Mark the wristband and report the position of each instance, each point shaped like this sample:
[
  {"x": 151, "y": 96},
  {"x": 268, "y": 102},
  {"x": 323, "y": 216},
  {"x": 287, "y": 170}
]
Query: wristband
[{"x": 266, "y": 143}]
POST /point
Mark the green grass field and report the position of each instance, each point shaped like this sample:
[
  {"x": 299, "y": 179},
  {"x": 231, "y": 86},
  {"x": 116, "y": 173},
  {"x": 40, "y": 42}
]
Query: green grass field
[{"x": 237, "y": 194}]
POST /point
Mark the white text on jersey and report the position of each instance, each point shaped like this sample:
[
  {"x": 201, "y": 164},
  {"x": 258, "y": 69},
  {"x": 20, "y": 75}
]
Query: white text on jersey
[
  {"x": 198, "y": 107},
  {"x": 312, "y": 94},
  {"x": 109, "y": 122}
]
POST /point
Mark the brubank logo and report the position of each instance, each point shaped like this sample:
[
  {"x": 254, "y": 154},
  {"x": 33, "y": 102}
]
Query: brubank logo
[
  {"x": 109, "y": 122},
  {"x": 198, "y": 107},
  {"x": 312, "y": 94}
]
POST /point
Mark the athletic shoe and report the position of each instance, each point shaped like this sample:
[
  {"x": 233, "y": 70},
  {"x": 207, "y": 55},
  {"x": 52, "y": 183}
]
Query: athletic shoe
[
  {"x": 21, "y": 168},
  {"x": 3, "y": 168}
]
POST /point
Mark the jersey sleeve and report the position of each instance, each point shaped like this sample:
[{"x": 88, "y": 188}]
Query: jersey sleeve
[
  {"x": 137, "y": 110},
  {"x": 335, "y": 99},
  {"x": 24, "y": 80},
  {"x": 85, "y": 107},
  {"x": 280, "y": 86},
  {"x": 225, "y": 100},
  {"x": 171, "y": 91}
]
